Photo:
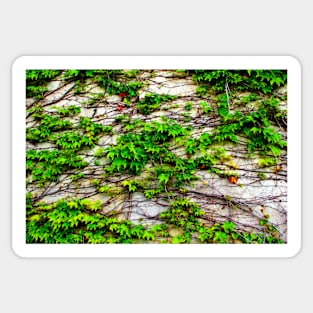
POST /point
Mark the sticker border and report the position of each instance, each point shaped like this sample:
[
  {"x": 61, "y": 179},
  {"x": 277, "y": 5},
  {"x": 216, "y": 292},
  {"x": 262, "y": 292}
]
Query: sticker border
[{"x": 18, "y": 187}]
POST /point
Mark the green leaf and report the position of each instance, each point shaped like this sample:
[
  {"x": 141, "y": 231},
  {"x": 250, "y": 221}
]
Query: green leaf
[
  {"x": 164, "y": 178},
  {"x": 119, "y": 164},
  {"x": 263, "y": 222},
  {"x": 228, "y": 227},
  {"x": 275, "y": 151},
  {"x": 220, "y": 237},
  {"x": 148, "y": 235}
]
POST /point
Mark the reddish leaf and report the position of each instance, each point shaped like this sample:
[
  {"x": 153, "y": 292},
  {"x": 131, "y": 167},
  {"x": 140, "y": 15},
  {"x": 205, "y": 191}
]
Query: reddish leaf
[
  {"x": 122, "y": 95},
  {"x": 233, "y": 179}
]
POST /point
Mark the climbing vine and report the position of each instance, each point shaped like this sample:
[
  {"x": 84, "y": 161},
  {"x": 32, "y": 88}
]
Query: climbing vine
[{"x": 112, "y": 159}]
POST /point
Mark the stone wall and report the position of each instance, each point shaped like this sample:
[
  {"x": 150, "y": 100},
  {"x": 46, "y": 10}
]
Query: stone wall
[{"x": 247, "y": 193}]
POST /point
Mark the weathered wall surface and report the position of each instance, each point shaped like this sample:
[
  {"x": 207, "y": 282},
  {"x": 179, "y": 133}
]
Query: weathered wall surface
[{"x": 241, "y": 188}]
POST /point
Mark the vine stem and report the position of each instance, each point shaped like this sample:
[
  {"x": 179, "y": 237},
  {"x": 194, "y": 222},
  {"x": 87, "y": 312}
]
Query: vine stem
[{"x": 227, "y": 94}]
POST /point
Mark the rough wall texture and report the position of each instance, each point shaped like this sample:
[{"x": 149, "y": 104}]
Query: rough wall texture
[{"x": 243, "y": 187}]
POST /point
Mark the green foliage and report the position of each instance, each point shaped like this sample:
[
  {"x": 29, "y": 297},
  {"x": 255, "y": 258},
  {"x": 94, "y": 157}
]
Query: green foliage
[
  {"x": 48, "y": 125},
  {"x": 206, "y": 108},
  {"x": 68, "y": 111},
  {"x": 133, "y": 151},
  {"x": 256, "y": 126},
  {"x": 267, "y": 162},
  {"x": 100, "y": 152},
  {"x": 79, "y": 221},
  {"x": 107, "y": 79},
  {"x": 47, "y": 165},
  {"x": 73, "y": 141},
  {"x": 151, "y": 102},
  {"x": 41, "y": 75},
  {"x": 130, "y": 89},
  {"x": 188, "y": 106},
  {"x": 205, "y": 140},
  {"x": 72, "y": 73},
  {"x": 218, "y": 78},
  {"x": 252, "y": 80},
  {"x": 128, "y": 154},
  {"x": 187, "y": 217},
  {"x": 227, "y": 133},
  {"x": 36, "y": 81},
  {"x": 150, "y": 193},
  {"x": 93, "y": 129},
  {"x": 191, "y": 146},
  {"x": 249, "y": 98},
  {"x": 183, "y": 213},
  {"x": 201, "y": 90},
  {"x": 122, "y": 118},
  {"x": 262, "y": 175},
  {"x": 131, "y": 185},
  {"x": 131, "y": 73}
]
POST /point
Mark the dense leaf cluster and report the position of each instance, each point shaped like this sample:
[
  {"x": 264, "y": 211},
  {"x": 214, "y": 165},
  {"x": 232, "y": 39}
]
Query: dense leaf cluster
[
  {"x": 253, "y": 80},
  {"x": 79, "y": 221}
]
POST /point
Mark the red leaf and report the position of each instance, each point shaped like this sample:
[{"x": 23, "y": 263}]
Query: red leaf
[
  {"x": 233, "y": 179},
  {"x": 122, "y": 95}
]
